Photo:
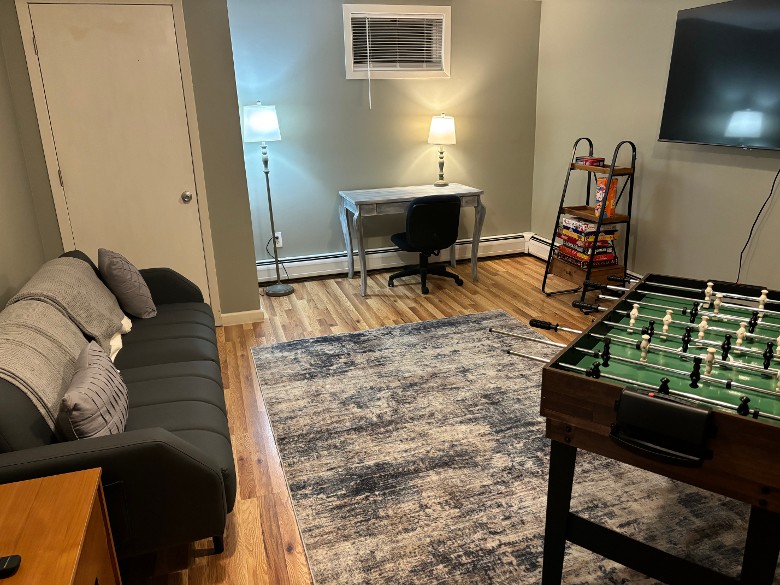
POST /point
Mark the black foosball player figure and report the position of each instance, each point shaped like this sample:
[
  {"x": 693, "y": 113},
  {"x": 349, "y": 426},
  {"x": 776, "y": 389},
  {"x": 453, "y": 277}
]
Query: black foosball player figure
[
  {"x": 686, "y": 339},
  {"x": 696, "y": 373},
  {"x": 606, "y": 354},
  {"x": 594, "y": 371},
  {"x": 651, "y": 329},
  {"x": 664, "y": 387},
  {"x": 753, "y": 322},
  {"x": 743, "y": 407},
  {"x": 694, "y": 312},
  {"x": 769, "y": 353},
  {"x": 725, "y": 347}
]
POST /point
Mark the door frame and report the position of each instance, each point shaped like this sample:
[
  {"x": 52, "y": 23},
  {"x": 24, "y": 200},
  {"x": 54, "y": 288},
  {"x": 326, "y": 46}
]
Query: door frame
[{"x": 49, "y": 146}]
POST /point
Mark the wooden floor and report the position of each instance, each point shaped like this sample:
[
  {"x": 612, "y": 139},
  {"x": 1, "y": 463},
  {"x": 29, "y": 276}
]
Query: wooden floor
[{"x": 262, "y": 540}]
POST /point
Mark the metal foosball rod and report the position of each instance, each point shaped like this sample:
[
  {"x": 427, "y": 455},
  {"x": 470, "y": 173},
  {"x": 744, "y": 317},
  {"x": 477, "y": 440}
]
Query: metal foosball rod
[
  {"x": 675, "y": 393},
  {"x": 684, "y": 311},
  {"x": 526, "y": 337},
  {"x": 726, "y": 305},
  {"x": 712, "y": 328},
  {"x": 727, "y": 384},
  {"x": 722, "y": 364},
  {"x": 710, "y": 292},
  {"x": 705, "y": 342},
  {"x": 527, "y": 356}
]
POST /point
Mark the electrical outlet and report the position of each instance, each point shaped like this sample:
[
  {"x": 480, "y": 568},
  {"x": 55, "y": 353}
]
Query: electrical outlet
[{"x": 278, "y": 236}]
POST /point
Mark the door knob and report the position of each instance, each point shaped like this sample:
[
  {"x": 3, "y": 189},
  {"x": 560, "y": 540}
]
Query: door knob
[{"x": 186, "y": 197}]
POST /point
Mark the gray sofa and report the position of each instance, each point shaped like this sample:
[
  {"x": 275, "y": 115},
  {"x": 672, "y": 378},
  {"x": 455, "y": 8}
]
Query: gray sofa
[{"x": 169, "y": 478}]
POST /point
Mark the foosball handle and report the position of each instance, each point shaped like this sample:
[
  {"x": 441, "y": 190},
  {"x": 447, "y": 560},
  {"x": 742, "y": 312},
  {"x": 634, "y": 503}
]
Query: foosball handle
[
  {"x": 592, "y": 284},
  {"x": 616, "y": 278},
  {"x": 585, "y": 306},
  {"x": 546, "y": 325}
]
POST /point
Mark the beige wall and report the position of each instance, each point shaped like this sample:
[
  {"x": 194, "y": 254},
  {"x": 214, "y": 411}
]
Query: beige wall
[
  {"x": 291, "y": 54},
  {"x": 694, "y": 204},
  {"x": 21, "y": 251},
  {"x": 216, "y": 102}
]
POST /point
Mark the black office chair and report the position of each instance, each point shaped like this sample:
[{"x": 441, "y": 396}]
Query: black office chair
[{"x": 431, "y": 226}]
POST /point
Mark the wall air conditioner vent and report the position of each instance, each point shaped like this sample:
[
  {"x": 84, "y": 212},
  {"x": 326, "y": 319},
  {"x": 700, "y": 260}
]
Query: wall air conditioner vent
[{"x": 396, "y": 41}]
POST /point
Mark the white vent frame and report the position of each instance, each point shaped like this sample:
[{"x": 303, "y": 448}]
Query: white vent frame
[{"x": 396, "y": 11}]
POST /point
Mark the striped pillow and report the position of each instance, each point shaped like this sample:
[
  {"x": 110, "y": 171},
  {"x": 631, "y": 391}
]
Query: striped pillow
[{"x": 95, "y": 403}]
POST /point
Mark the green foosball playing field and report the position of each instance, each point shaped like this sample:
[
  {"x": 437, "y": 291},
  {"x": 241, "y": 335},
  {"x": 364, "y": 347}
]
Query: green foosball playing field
[{"x": 735, "y": 355}]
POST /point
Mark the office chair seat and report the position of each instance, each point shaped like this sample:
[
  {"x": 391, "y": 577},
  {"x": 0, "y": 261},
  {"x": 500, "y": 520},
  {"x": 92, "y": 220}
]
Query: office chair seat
[{"x": 431, "y": 226}]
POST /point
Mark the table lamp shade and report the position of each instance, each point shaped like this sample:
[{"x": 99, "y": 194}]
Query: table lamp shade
[
  {"x": 442, "y": 130},
  {"x": 261, "y": 124}
]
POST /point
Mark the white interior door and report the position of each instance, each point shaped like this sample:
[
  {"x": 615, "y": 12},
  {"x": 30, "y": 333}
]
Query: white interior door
[{"x": 113, "y": 86}]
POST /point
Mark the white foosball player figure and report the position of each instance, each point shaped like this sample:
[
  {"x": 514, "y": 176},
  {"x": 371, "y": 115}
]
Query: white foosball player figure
[
  {"x": 632, "y": 317},
  {"x": 709, "y": 360},
  {"x": 741, "y": 332},
  {"x": 703, "y": 327},
  {"x": 717, "y": 303},
  {"x": 644, "y": 346},
  {"x": 762, "y": 303},
  {"x": 708, "y": 294},
  {"x": 667, "y": 322}
]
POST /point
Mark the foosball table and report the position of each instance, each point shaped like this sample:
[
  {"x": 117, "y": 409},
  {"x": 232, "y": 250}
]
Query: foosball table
[{"x": 679, "y": 377}]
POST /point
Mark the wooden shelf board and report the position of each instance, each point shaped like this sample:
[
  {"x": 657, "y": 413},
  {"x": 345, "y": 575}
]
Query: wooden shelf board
[
  {"x": 616, "y": 172},
  {"x": 589, "y": 213}
]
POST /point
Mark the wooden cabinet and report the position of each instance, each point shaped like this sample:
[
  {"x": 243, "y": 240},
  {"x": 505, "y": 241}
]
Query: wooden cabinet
[{"x": 60, "y": 528}]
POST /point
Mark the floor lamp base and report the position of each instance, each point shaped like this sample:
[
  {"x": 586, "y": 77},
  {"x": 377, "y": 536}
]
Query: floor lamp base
[{"x": 279, "y": 290}]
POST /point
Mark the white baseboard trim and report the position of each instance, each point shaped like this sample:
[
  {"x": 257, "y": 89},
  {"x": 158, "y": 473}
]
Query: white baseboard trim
[
  {"x": 327, "y": 264},
  {"x": 242, "y": 317}
]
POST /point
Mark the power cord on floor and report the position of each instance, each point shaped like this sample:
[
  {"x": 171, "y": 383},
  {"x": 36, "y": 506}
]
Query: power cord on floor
[
  {"x": 755, "y": 221},
  {"x": 267, "y": 251}
]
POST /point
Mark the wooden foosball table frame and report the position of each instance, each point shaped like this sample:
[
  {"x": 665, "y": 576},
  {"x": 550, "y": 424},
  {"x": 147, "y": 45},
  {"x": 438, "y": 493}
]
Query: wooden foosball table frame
[{"x": 581, "y": 413}]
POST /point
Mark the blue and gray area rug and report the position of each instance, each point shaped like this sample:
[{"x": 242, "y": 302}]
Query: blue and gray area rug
[{"x": 415, "y": 454}]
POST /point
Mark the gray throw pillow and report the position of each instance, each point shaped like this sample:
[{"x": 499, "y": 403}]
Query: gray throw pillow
[
  {"x": 95, "y": 403},
  {"x": 127, "y": 284}
]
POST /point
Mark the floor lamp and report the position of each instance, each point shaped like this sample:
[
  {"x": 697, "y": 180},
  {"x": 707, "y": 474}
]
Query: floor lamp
[{"x": 261, "y": 125}]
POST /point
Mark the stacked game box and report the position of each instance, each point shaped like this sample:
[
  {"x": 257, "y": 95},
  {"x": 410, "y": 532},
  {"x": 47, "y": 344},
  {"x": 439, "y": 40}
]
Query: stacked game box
[{"x": 578, "y": 238}]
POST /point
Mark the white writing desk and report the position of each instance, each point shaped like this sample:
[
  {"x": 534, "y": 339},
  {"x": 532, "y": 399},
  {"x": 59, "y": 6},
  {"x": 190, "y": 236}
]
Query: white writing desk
[{"x": 370, "y": 202}]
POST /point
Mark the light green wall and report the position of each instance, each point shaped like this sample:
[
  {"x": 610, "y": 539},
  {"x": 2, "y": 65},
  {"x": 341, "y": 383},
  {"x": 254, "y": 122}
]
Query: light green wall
[
  {"x": 291, "y": 54},
  {"x": 21, "y": 251},
  {"x": 603, "y": 66}
]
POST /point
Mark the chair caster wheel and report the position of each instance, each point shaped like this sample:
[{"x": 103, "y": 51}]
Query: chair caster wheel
[
  {"x": 390, "y": 283},
  {"x": 425, "y": 290},
  {"x": 459, "y": 282}
]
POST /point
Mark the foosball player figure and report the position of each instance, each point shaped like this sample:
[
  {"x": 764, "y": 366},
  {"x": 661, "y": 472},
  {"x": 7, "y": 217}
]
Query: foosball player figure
[
  {"x": 594, "y": 371},
  {"x": 769, "y": 353},
  {"x": 753, "y": 322},
  {"x": 725, "y": 347},
  {"x": 694, "y": 312},
  {"x": 664, "y": 387},
  {"x": 686, "y": 339},
  {"x": 743, "y": 407},
  {"x": 696, "y": 373},
  {"x": 605, "y": 353}
]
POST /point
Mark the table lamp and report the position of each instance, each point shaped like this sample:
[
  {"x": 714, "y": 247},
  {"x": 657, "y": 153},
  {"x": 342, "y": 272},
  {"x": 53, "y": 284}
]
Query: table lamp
[
  {"x": 442, "y": 132},
  {"x": 261, "y": 125}
]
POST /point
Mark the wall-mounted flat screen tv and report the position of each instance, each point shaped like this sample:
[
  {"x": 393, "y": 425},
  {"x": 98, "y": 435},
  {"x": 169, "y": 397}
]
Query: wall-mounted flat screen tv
[{"x": 724, "y": 77}]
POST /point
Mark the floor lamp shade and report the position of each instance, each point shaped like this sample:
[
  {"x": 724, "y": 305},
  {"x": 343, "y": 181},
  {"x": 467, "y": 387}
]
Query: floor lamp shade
[
  {"x": 262, "y": 125},
  {"x": 442, "y": 132}
]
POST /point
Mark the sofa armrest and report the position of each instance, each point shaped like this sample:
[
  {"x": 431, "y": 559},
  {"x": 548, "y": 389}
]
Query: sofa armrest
[
  {"x": 159, "y": 491},
  {"x": 168, "y": 286}
]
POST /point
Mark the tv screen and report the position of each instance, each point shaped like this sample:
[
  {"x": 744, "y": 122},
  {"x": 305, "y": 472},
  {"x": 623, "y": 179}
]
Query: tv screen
[{"x": 724, "y": 77}]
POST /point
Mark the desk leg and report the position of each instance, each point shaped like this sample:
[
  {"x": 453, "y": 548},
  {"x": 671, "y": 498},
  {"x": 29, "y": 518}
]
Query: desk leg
[
  {"x": 479, "y": 219},
  {"x": 347, "y": 239},
  {"x": 559, "y": 485},
  {"x": 357, "y": 225},
  {"x": 762, "y": 547}
]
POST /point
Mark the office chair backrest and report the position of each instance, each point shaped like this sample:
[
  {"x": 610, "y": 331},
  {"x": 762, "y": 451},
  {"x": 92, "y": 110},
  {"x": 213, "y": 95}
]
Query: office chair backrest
[{"x": 432, "y": 222}]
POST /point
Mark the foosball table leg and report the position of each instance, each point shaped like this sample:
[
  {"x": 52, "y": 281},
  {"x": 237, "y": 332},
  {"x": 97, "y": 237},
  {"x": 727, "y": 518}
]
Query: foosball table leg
[
  {"x": 762, "y": 547},
  {"x": 559, "y": 486}
]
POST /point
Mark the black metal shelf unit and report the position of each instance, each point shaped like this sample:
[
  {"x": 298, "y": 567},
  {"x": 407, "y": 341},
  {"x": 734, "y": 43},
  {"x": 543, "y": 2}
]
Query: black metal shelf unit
[{"x": 590, "y": 272}]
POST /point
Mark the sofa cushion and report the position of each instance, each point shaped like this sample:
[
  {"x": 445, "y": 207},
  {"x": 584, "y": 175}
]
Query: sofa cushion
[
  {"x": 141, "y": 333},
  {"x": 179, "y": 313},
  {"x": 126, "y": 283},
  {"x": 207, "y": 370},
  {"x": 162, "y": 351},
  {"x": 176, "y": 389},
  {"x": 95, "y": 403}
]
